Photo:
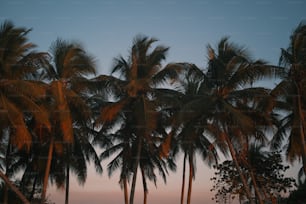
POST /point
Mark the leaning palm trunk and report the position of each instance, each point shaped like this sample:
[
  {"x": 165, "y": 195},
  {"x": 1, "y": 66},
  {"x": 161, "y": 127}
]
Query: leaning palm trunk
[
  {"x": 242, "y": 177},
  {"x": 67, "y": 184},
  {"x": 145, "y": 187},
  {"x": 5, "y": 196},
  {"x": 47, "y": 171},
  {"x": 253, "y": 179},
  {"x": 190, "y": 178},
  {"x": 139, "y": 146},
  {"x": 14, "y": 188},
  {"x": 183, "y": 179},
  {"x": 125, "y": 189},
  {"x": 258, "y": 194}
]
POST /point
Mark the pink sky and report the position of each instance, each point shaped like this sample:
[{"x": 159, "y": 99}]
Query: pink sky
[{"x": 101, "y": 189}]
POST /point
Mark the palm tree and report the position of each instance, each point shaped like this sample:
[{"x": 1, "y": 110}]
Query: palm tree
[
  {"x": 231, "y": 73},
  {"x": 189, "y": 131},
  {"x": 228, "y": 99},
  {"x": 18, "y": 62},
  {"x": 135, "y": 94},
  {"x": 126, "y": 148},
  {"x": 68, "y": 109},
  {"x": 291, "y": 92}
]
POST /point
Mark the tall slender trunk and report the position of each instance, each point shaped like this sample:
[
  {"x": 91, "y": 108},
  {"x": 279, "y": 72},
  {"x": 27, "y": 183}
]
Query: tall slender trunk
[
  {"x": 5, "y": 196},
  {"x": 191, "y": 170},
  {"x": 67, "y": 183},
  {"x": 47, "y": 171},
  {"x": 183, "y": 179},
  {"x": 125, "y": 189},
  {"x": 250, "y": 168},
  {"x": 302, "y": 128},
  {"x": 264, "y": 192},
  {"x": 242, "y": 177},
  {"x": 139, "y": 146},
  {"x": 145, "y": 187},
  {"x": 258, "y": 194},
  {"x": 14, "y": 188}
]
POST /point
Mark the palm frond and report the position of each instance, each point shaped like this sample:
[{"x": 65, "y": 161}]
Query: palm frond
[
  {"x": 157, "y": 55},
  {"x": 122, "y": 66},
  {"x": 239, "y": 119},
  {"x": 169, "y": 72},
  {"x": 88, "y": 151},
  {"x": 79, "y": 109},
  {"x": 20, "y": 135},
  {"x": 111, "y": 150},
  {"x": 108, "y": 85},
  {"x": 70, "y": 59},
  {"x": 78, "y": 166},
  {"x": 111, "y": 111},
  {"x": 114, "y": 164}
]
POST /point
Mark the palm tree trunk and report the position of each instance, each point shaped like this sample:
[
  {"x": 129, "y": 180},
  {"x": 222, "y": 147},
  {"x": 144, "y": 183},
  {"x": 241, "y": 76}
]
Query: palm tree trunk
[
  {"x": 67, "y": 184},
  {"x": 190, "y": 178},
  {"x": 47, "y": 171},
  {"x": 125, "y": 189},
  {"x": 242, "y": 177},
  {"x": 135, "y": 171},
  {"x": 5, "y": 196},
  {"x": 183, "y": 179},
  {"x": 259, "y": 197},
  {"x": 145, "y": 187},
  {"x": 249, "y": 166},
  {"x": 14, "y": 188}
]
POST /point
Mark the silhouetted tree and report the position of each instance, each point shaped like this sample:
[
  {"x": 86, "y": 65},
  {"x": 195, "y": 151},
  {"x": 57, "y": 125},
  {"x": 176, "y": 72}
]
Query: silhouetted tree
[
  {"x": 189, "y": 126},
  {"x": 229, "y": 102},
  {"x": 135, "y": 101},
  {"x": 291, "y": 95},
  {"x": 18, "y": 62},
  {"x": 68, "y": 110},
  {"x": 267, "y": 169}
]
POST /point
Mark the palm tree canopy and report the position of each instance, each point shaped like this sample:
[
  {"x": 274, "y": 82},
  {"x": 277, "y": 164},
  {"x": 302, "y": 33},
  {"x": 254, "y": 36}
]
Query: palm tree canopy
[
  {"x": 18, "y": 62},
  {"x": 70, "y": 60},
  {"x": 17, "y": 58},
  {"x": 290, "y": 93}
]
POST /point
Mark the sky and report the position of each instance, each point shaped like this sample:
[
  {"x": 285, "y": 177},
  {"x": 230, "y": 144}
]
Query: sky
[{"x": 106, "y": 28}]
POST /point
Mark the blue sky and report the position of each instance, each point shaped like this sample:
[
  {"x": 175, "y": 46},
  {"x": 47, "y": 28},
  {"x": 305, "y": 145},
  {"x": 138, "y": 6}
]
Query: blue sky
[{"x": 107, "y": 27}]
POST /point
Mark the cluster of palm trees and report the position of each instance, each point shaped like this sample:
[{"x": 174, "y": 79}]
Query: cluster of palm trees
[{"x": 55, "y": 112}]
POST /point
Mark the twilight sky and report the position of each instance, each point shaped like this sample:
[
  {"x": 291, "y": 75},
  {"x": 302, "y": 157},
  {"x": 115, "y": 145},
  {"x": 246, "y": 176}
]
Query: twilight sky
[{"x": 107, "y": 27}]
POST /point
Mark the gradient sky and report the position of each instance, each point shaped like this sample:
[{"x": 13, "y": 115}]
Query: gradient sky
[{"x": 107, "y": 28}]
